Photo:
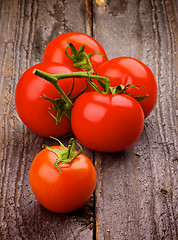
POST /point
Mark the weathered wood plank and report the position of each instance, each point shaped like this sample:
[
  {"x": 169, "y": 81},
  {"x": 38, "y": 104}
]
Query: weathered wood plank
[
  {"x": 136, "y": 195},
  {"x": 25, "y": 29}
]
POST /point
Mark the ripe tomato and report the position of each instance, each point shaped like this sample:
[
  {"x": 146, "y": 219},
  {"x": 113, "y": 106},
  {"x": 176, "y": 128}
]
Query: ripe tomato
[
  {"x": 33, "y": 110},
  {"x": 126, "y": 70},
  {"x": 55, "y": 50},
  {"x": 64, "y": 192},
  {"x": 107, "y": 123}
]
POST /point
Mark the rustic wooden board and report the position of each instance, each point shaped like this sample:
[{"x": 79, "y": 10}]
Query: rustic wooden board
[
  {"x": 26, "y": 27},
  {"x": 136, "y": 194}
]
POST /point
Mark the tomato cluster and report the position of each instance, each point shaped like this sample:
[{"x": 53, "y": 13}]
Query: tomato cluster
[
  {"x": 76, "y": 88},
  {"x": 31, "y": 108}
]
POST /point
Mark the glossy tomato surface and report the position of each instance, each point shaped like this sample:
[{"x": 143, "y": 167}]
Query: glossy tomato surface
[
  {"x": 64, "y": 192},
  {"x": 55, "y": 50},
  {"x": 126, "y": 70},
  {"x": 32, "y": 109},
  {"x": 107, "y": 123}
]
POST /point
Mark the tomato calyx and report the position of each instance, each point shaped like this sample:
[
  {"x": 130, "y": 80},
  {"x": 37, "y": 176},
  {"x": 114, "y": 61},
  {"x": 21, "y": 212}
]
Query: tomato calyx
[
  {"x": 65, "y": 155},
  {"x": 138, "y": 98},
  {"x": 119, "y": 89},
  {"x": 62, "y": 106},
  {"x": 80, "y": 58}
]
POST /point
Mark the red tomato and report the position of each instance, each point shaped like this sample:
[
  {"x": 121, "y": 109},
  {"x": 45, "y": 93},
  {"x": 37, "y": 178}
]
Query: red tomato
[
  {"x": 55, "y": 50},
  {"x": 32, "y": 109},
  {"x": 64, "y": 192},
  {"x": 107, "y": 123},
  {"x": 126, "y": 70}
]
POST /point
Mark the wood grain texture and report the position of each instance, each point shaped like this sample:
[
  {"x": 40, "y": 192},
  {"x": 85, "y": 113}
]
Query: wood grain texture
[
  {"x": 26, "y": 28},
  {"x": 136, "y": 194}
]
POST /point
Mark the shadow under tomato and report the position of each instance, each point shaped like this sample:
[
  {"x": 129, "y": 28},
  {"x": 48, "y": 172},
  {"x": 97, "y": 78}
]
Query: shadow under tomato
[{"x": 36, "y": 218}]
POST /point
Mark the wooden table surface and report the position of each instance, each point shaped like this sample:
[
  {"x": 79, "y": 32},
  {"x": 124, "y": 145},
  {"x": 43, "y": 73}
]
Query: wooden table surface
[{"x": 136, "y": 193}]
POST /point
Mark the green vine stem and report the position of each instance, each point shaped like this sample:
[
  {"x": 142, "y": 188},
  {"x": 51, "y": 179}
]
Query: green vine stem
[
  {"x": 81, "y": 75},
  {"x": 63, "y": 106},
  {"x": 53, "y": 79}
]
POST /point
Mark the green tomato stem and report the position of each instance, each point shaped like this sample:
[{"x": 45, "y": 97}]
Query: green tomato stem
[
  {"x": 80, "y": 75},
  {"x": 84, "y": 75},
  {"x": 89, "y": 63},
  {"x": 52, "y": 79}
]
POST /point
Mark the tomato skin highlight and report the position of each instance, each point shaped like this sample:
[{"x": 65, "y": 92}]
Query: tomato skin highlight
[
  {"x": 32, "y": 109},
  {"x": 127, "y": 70},
  {"x": 107, "y": 123},
  {"x": 66, "y": 192},
  {"x": 55, "y": 50}
]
